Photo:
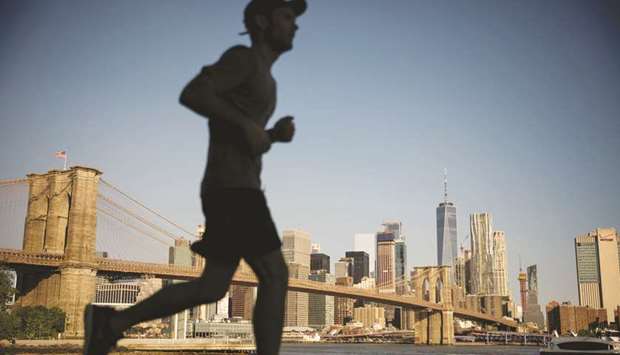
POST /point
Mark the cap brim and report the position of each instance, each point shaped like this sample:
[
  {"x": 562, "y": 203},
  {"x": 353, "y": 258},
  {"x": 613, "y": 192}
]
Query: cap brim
[{"x": 298, "y": 6}]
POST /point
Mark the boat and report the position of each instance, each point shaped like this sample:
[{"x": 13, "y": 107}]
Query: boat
[{"x": 580, "y": 345}]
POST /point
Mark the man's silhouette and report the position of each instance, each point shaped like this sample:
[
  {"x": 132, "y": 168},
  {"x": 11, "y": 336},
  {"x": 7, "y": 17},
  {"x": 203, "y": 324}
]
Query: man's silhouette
[{"x": 238, "y": 96}]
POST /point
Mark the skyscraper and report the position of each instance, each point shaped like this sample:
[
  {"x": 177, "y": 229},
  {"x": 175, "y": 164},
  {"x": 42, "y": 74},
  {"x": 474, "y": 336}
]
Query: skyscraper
[
  {"x": 360, "y": 264},
  {"x": 400, "y": 253},
  {"x": 598, "y": 269},
  {"x": 321, "y": 307},
  {"x": 296, "y": 247},
  {"x": 500, "y": 284},
  {"x": 344, "y": 267},
  {"x": 319, "y": 261},
  {"x": 482, "y": 253},
  {"x": 386, "y": 276},
  {"x": 446, "y": 231},
  {"x": 533, "y": 313},
  {"x": 366, "y": 242}
]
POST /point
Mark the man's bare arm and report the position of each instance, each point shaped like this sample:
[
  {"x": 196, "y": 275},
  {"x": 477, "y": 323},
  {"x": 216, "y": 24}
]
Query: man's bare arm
[{"x": 200, "y": 97}]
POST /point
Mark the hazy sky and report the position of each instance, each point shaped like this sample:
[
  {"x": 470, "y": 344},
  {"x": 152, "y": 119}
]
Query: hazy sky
[{"x": 519, "y": 100}]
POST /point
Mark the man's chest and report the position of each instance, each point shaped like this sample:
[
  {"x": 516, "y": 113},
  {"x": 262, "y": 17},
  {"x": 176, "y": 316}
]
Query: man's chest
[{"x": 257, "y": 97}]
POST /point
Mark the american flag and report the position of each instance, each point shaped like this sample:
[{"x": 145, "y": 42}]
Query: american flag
[{"x": 61, "y": 154}]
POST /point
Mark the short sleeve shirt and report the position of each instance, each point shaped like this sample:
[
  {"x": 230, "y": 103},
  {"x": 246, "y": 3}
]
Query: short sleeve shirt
[{"x": 230, "y": 163}]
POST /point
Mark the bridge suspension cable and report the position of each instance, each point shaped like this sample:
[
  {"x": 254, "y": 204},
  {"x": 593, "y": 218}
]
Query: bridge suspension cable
[
  {"x": 147, "y": 208},
  {"x": 125, "y": 210}
]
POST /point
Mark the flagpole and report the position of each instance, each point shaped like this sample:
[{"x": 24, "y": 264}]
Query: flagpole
[{"x": 65, "y": 161}]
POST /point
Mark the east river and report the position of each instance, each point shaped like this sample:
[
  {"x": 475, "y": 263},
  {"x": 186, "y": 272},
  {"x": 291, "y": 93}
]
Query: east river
[{"x": 402, "y": 349}]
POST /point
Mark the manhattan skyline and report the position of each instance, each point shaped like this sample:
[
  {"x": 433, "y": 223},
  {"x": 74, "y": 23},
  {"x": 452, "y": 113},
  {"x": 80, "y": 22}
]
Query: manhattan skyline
[{"x": 519, "y": 101}]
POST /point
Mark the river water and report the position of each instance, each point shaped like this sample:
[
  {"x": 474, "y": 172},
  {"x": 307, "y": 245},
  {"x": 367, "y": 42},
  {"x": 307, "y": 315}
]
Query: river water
[{"x": 402, "y": 349}]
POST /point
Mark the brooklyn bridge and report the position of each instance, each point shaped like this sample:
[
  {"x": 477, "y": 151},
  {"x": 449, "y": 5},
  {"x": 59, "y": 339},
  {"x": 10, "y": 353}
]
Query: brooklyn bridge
[{"x": 66, "y": 218}]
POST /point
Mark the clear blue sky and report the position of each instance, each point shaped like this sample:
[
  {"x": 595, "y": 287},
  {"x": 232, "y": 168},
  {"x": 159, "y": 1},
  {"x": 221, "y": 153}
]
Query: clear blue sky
[{"x": 520, "y": 101}]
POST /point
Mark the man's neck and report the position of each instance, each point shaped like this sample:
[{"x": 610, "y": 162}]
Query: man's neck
[{"x": 268, "y": 54}]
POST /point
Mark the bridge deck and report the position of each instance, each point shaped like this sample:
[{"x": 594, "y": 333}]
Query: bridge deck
[{"x": 19, "y": 257}]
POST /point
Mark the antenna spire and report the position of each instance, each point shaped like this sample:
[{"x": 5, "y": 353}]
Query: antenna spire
[{"x": 445, "y": 185}]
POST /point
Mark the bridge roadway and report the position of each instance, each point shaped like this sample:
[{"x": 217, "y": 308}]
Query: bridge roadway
[{"x": 19, "y": 257}]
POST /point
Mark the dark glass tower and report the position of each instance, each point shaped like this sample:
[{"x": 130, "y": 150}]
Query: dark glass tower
[{"x": 446, "y": 231}]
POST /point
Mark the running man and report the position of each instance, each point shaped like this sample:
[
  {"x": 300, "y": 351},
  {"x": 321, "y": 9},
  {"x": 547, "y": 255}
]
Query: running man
[{"x": 237, "y": 95}]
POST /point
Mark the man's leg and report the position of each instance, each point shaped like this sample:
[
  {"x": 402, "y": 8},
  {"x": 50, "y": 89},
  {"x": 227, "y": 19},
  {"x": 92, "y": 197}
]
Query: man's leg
[
  {"x": 211, "y": 286},
  {"x": 268, "y": 317}
]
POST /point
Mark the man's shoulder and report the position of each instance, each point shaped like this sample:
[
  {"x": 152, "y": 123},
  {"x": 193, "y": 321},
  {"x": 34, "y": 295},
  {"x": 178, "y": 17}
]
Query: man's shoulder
[{"x": 239, "y": 53}]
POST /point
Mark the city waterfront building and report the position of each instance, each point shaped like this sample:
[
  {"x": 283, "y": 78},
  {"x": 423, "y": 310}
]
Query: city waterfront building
[
  {"x": 459, "y": 271},
  {"x": 344, "y": 267},
  {"x": 533, "y": 312},
  {"x": 523, "y": 290},
  {"x": 566, "y": 318},
  {"x": 343, "y": 307},
  {"x": 386, "y": 266},
  {"x": 321, "y": 307},
  {"x": 500, "y": 284},
  {"x": 296, "y": 248},
  {"x": 296, "y": 311},
  {"x": 361, "y": 266},
  {"x": 400, "y": 254},
  {"x": 400, "y": 265},
  {"x": 370, "y": 316},
  {"x": 242, "y": 298},
  {"x": 319, "y": 261},
  {"x": 598, "y": 269},
  {"x": 468, "y": 269},
  {"x": 482, "y": 253},
  {"x": 447, "y": 232},
  {"x": 366, "y": 242}
]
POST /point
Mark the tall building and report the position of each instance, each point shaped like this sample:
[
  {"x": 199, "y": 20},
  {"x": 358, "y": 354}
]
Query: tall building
[
  {"x": 446, "y": 231},
  {"x": 482, "y": 253},
  {"x": 319, "y": 261},
  {"x": 598, "y": 269},
  {"x": 366, "y": 242},
  {"x": 296, "y": 314},
  {"x": 360, "y": 265},
  {"x": 343, "y": 307},
  {"x": 459, "y": 271},
  {"x": 321, "y": 307},
  {"x": 344, "y": 267},
  {"x": 500, "y": 283},
  {"x": 242, "y": 298},
  {"x": 400, "y": 266},
  {"x": 296, "y": 248},
  {"x": 400, "y": 253},
  {"x": 523, "y": 289},
  {"x": 533, "y": 312},
  {"x": 468, "y": 269},
  {"x": 386, "y": 266},
  {"x": 566, "y": 318}
]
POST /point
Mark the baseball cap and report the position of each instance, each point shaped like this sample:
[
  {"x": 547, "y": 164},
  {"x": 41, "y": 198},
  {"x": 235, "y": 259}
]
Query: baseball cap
[{"x": 265, "y": 7}]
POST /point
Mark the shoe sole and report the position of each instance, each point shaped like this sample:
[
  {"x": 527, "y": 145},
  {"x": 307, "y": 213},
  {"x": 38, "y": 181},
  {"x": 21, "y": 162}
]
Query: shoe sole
[{"x": 88, "y": 327}]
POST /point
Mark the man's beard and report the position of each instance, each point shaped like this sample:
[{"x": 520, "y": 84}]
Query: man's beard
[{"x": 277, "y": 45}]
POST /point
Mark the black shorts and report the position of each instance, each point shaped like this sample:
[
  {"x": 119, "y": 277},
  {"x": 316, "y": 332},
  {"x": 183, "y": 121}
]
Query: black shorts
[{"x": 238, "y": 224}]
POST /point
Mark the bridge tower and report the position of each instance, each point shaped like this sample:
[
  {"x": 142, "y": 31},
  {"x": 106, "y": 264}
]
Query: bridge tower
[
  {"x": 61, "y": 219},
  {"x": 432, "y": 284}
]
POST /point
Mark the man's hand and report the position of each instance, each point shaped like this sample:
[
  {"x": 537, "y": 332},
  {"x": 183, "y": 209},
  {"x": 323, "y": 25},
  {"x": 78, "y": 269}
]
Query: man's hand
[
  {"x": 283, "y": 130},
  {"x": 257, "y": 138}
]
